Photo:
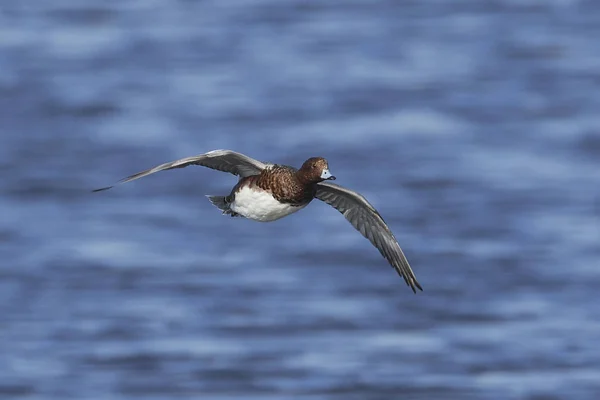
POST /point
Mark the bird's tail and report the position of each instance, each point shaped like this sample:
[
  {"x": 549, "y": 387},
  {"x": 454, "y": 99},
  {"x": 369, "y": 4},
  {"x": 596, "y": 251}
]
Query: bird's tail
[{"x": 222, "y": 204}]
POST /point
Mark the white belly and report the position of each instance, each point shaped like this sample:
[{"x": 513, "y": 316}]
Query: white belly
[{"x": 260, "y": 206}]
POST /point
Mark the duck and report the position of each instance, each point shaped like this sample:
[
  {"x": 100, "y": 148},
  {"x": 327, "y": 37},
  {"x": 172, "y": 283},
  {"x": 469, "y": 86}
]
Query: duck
[{"x": 266, "y": 192}]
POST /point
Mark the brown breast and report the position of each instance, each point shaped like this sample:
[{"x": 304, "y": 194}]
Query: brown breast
[{"x": 281, "y": 182}]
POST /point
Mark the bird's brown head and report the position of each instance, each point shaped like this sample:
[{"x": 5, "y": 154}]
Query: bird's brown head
[{"x": 315, "y": 169}]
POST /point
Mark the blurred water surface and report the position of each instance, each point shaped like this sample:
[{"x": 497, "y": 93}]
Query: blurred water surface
[{"x": 473, "y": 127}]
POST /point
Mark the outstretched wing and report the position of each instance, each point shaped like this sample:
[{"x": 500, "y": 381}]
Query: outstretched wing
[
  {"x": 221, "y": 160},
  {"x": 365, "y": 218}
]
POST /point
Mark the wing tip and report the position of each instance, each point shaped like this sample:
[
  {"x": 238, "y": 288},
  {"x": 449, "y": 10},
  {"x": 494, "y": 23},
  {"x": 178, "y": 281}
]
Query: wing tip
[
  {"x": 101, "y": 189},
  {"x": 414, "y": 285},
  {"x": 411, "y": 281}
]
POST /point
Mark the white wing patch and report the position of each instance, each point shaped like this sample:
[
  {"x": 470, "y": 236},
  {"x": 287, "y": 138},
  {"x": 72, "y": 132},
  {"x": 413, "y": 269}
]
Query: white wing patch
[{"x": 259, "y": 205}]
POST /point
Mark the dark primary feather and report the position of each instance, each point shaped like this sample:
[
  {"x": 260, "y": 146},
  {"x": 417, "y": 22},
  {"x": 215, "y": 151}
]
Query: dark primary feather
[
  {"x": 222, "y": 160},
  {"x": 365, "y": 218}
]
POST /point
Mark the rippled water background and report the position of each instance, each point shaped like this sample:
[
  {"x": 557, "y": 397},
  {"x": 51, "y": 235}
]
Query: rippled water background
[{"x": 473, "y": 126}]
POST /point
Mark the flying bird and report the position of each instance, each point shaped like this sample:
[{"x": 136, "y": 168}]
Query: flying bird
[{"x": 267, "y": 192}]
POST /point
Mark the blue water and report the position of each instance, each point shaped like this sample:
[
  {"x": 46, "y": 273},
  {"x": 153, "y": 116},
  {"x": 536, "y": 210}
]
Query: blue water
[{"x": 472, "y": 126}]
